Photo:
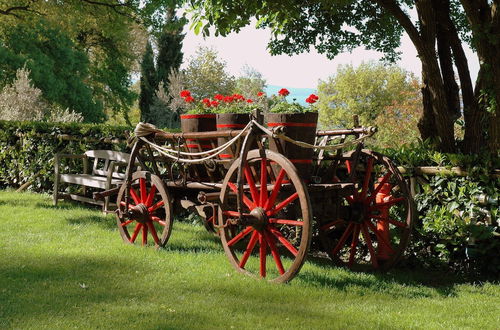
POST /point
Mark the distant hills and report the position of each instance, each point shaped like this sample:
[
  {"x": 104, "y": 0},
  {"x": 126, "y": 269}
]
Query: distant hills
[{"x": 299, "y": 94}]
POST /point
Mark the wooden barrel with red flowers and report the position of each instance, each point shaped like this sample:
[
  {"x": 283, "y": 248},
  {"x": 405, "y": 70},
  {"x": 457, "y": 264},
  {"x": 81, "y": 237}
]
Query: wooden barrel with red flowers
[
  {"x": 300, "y": 127},
  {"x": 230, "y": 121}
]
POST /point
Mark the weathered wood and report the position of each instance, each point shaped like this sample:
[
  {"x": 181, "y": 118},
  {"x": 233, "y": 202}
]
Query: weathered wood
[{"x": 100, "y": 178}]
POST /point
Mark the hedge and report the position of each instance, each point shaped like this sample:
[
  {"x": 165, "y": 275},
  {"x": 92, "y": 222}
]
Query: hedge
[
  {"x": 455, "y": 230},
  {"x": 27, "y": 149}
]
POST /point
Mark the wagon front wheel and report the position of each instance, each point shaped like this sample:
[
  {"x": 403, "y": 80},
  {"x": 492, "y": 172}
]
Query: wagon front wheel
[
  {"x": 147, "y": 218},
  {"x": 271, "y": 237}
]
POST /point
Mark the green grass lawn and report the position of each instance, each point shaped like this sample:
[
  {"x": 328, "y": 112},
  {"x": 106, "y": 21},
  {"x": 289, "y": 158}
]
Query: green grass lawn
[{"x": 66, "y": 267}]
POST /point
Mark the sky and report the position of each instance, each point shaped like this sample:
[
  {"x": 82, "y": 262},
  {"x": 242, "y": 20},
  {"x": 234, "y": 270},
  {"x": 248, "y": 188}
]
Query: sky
[{"x": 299, "y": 71}]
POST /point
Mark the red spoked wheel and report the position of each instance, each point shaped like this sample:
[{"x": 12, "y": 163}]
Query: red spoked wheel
[
  {"x": 272, "y": 238},
  {"x": 373, "y": 225},
  {"x": 149, "y": 214}
]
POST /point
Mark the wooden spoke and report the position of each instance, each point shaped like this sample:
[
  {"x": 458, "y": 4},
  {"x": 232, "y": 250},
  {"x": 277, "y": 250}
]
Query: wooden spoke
[
  {"x": 262, "y": 255},
  {"x": 263, "y": 182},
  {"x": 380, "y": 238},
  {"x": 342, "y": 239},
  {"x": 281, "y": 205},
  {"x": 151, "y": 196},
  {"x": 389, "y": 203},
  {"x": 153, "y": 232},
  {"x": 274, "y": 252},
  {"x": 137, "y": 229},
  {"x": 134, "y": 196},
  {"x": 379, "y": 186},
  {"x": 155, "y": 207},
  {"x": 276, "y": 190},
  {"x": 284, "y": 241},
  {"x": 249, "y": 249},
  {"x": 246, "y": 200},
  {"x": 391, "y": 221},
  {"x": 126, "y": 223},
  {"x": 366, "y": 181},
  {"x": 160, "y": 221},
  {"x": 144, "y": 235},
  {"x": 143, "y": 190},
  {"x": 286, "y": 222},
  {"x": 251, "y": 183},
  {"x": 240, "y": 236},
  {"x": 368, "y": 241},
  {"x": 354, "y": 244}
]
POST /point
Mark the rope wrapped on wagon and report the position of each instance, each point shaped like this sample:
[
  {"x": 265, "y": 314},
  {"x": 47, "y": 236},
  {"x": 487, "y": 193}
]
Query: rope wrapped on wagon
[
  {"x": 142, "y": 130},
  {"x": 174, "y": 154},
  {"x": 275, "y": 134}
]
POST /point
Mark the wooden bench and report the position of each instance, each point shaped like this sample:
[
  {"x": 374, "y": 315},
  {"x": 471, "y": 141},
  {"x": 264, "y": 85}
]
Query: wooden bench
[{"x": 105, "y": 174}]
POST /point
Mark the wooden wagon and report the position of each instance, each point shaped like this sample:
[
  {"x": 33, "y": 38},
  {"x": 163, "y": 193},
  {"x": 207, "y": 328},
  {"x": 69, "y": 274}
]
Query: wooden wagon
[{"x": 264, "y": 209}]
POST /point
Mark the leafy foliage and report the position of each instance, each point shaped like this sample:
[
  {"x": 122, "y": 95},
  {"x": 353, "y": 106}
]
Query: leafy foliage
[
  {"x": 27, "y": 149},
  {"x": 57, "y": 67},
  {"x": 22, "y": 101},
  {"x": 250, "y": 82},
  {"x": 385, "y": 96},
  {"x": 206, "y": 75},
  {"x": 148, "y": 84},
  {"x": 459, "y": 219}
]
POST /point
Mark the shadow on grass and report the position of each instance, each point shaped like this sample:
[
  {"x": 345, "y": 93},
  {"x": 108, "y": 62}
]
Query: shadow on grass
[
  {"x": 105, "y": 222},
  {"x": 415, "y": 283},
  {"x": 43, "y": 288}
]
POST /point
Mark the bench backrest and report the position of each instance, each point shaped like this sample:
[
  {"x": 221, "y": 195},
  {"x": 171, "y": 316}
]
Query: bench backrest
[{"x": 102, "y": 160}]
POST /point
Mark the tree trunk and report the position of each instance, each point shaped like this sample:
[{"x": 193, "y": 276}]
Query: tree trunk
[
  {"x": 473, "y": 117},
  {"x": 484, "y": 20}
]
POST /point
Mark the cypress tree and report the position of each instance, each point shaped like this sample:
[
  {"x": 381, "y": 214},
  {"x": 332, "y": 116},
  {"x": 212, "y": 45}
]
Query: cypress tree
[
  {"x": 169, "y": 48},
  {"x": 148, "y": 83}
]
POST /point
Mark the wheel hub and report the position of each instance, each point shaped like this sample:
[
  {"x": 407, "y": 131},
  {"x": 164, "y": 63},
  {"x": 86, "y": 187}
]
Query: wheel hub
[
  {"x": 139, "y": 213},
  {"x": 358, "y": 211},
  {"x": 259, "y": 218}
]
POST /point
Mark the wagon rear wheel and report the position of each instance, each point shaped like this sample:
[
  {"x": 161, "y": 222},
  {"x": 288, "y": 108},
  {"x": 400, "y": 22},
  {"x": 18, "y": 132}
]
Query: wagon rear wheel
[
  {"x": 273, "y": 236},
  {"x": 148, "y": 218},
  {"x": 373, "y": 225}
]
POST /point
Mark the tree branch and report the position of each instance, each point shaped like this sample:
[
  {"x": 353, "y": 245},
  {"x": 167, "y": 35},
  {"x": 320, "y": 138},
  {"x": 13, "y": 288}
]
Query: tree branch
[
  {"x": 11, "y": 11},
  {"x": 392, "y": 7}
]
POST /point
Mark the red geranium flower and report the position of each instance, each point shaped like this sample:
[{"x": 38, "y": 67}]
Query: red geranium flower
[
  {"x": 259, "y": 94},
  {"x": 283, "y": 92},
  {"x": 206, "y": 102},
  {"x": 214, "y": 103},
  {"x": 249, "y": 101},
  {"x": 228, "y": 99},
  {"x": 185, "y": 93},
  {"x": 189, "y": 99},
  {"x": 312, "y": 99},
  {"x": 219, "y": 97},
  {"x": 238, "y": 96}
]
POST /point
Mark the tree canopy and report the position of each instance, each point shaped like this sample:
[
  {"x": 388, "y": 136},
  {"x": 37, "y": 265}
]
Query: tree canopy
[
  {"x": 441, "y": 27},
  {"x": 109, "y": 33},
  {"x": 206, "y": 75}
]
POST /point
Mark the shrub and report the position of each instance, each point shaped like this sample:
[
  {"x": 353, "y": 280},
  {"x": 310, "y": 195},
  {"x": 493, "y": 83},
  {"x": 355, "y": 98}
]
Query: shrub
[
  {"x": 459, "y": 222},
  {"x": 27, "y": 149}
]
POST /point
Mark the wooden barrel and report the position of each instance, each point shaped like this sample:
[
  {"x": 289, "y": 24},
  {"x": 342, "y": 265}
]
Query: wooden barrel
[
  {"x": 300, "y": 127},
  {"x": 199, "y": 123},
  {"x": 229, "y": 121}
]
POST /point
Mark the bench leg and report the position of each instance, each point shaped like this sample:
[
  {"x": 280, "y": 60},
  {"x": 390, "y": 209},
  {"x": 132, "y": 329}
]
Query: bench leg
[{"x": 56, "y": 189}]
